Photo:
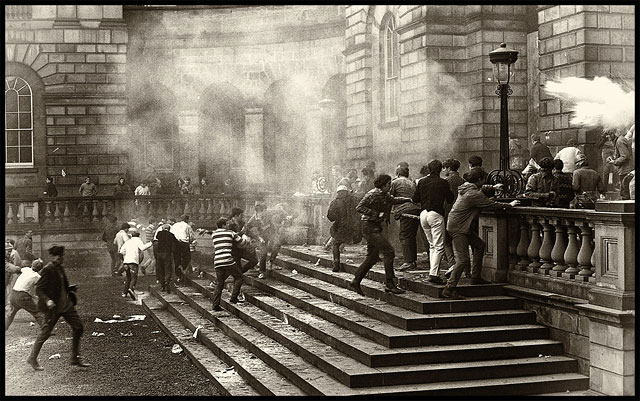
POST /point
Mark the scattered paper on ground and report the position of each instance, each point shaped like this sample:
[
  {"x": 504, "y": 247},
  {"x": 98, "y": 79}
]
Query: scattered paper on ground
[
  {"x": 176, "y": 349},
  {"x": 117, "y": 319},
  {"x": 97, "y": 334},
  {"x": 55, "y": 356}
]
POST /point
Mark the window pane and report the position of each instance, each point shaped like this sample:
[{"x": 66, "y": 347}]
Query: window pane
[
  {"x": 25, "y": 120},
  {"x": 25, "y": 103},
  {"x": 11, "y": 101},
  {"x": 23, "y": 88},
  {"x": 12, "y": 138},
  {"x": 12, "y": 155},
  {"x": 11, "y": 120},
  {"x": 25, "y": 154},
  {"x": 25, "y": 138}
]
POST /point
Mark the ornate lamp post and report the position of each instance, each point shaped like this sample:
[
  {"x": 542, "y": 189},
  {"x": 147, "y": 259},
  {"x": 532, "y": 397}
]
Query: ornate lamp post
[{"x": 503, "y": 60}]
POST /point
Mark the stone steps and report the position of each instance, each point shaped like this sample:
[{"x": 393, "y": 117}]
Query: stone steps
[
  {"x": 427, "y": 298},
  {"x": 306, "y": 330},
  {"x": 376, "y": 355},
  {"x": 387, "y": 335},
  {"x": 413, "y": 281},
  {"x": 229, "y": 382}
]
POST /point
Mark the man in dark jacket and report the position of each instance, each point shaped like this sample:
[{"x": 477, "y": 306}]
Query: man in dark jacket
[
  {"x": 342, "y": 213},
  {"x": 624, "y": 163},
  {"x": 375, "y": 208},
  {"x": 165, "y": 247},
  {"x": 109, "y": 232},
  {"x": 50, "y": 189},
  {"x": 562, "y": 185},
  {"x": 466, "y": 208},
  {"x": 56, "y": 298},
  {"x": 540, "y": 186},
  {"x": 122, "y": 189}
]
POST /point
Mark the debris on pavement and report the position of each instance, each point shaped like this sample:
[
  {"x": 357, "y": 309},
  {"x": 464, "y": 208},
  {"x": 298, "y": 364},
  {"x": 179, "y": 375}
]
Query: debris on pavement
[
  {"x": 97, "y": 334},
  {"x": 155, "y": 332},
  {"x": 195, "y": 333},
  {"x": 176, "y": 349},
  {"x": 118, "y": 319},
  {"x": 31, "y": 324},
  {"x": 55, "y": 356},
  {"x": 318, "y": 262},
  {"x": 294, "y": 271},
  {"x": 127, "y": 334}
]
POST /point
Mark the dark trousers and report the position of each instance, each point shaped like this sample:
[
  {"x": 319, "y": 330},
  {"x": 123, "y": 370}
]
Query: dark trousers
[
  {"x": 448, "y": 248},
  {"x": 461, "y": 242},
  {"x": 407, "y": 235},
  {"x": 182, "y": 259},
  {"x": 625, "y": 179},
  {"x": 131, "y": 276},
  {"x": 22, "y": 300},
  {"x": 50, "y": 319},
  {"x": 249, "y": 254},
  {"x": 113, "y": 254},
  {"x": 221, "y": 275},
  {"x": 164, "y": 268},
  {"x": 272, "y": 246},
  {"x": 335, "y": 249},
  {"x": 376, "y": 243}
]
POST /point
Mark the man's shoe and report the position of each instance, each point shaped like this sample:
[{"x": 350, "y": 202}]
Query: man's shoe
[
  {"x": 394, "y": 290},
  {"x": 479, "y": 280},
  {"x": 132, "y": 294},
  {"x": 217, "y": 309},
  {"x": 236, "y": 301},
  {"x": 435, "y": 280},
  {"x": 34, "y": 364},
  {"x": 407, "y": 266},
  {"x": 80, "y": 363},
  {"x": 450, "y": 294},
  {"x": 355, "y": 286}
]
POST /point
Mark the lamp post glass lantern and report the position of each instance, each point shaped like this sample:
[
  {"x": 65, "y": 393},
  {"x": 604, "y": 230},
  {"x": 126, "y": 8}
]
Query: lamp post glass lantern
[{"x": 503, "y": 59}]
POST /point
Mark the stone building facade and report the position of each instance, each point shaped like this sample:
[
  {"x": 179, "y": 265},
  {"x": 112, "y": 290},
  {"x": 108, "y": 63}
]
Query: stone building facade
[{"x": 264, "y": 96}]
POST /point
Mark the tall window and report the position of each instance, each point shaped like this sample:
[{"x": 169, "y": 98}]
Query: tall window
[
  {"x": 390, "y": 69},
  {"x": 18, "y": 123}
]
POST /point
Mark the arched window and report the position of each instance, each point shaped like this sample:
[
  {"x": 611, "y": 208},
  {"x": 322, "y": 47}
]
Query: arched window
[
  {"x": 18, "y": 122},
  {"x": 390, "y": 69}
]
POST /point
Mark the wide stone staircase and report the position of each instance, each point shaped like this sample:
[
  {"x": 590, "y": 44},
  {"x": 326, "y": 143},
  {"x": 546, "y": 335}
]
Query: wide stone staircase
[{"x": 301, "y": 331}]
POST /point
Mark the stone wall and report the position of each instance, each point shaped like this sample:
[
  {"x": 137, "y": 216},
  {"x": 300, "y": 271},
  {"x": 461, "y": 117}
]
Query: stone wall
[{"x": 77, "y": 55}]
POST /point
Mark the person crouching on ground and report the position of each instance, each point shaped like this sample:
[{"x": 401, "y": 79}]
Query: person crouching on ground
[
  {"x": 342, "y": 213},
  {"x": 56, "y": 298},
  {"x": 132, "y": 257},
  {"x": 466, "y": 208},
  {"x": 375, "y": 207},
  {"x": 223, "y": 241},
  {"x": 23, "y": 294}
]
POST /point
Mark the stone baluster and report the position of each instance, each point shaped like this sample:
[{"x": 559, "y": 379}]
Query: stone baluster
[
  {"x": 593, "y": 257},
  {"x": 95, "y": 213},
  {"x": 547, "y": 246},
  {"x": 584, "y": 256},
  {"x": 11, "y": 214},
  {"x": 47, "y": 212},
  {"x": 85, "y": 211},
  {"x": 160, "y": 209},
  {"x": 66, "y": 215},
  {"x": 534, "y": 246},
  {"x": 203, "y": 210},
  {"x": 209, "y": 215},
  {"x": 523, "y": 244},
  {"x": 571, "y": 253},
  {"x": 106, "y": 208},
  {"x": 222, "y": 207},
  {"x": 169, "y": 209},
  {"x": 187, "y": 206},
  {"x": 559, "y": 247},
  {"x": 178, "y": 208},
  {"x": 512, "y": 227},
  {"x": 57, "y": 214}
]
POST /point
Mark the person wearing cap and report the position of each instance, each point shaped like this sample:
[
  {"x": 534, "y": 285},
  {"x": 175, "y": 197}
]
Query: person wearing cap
[
  {"x": 55, "y": 301},
  {"x": 182, "y": 253},
  {"x": 471, "y": 200},
  {"x": 540, "y": 185},
  {"x": 375, "y": 208},
  {"x": 403, "y": 186},
  {"x": 342, "y": 213},
  {"x": 586, "y": 181},
  {"x": 132, "y": 254},
  {"x": 23, "y": 294},
  {"x": 562, "y": 185}
]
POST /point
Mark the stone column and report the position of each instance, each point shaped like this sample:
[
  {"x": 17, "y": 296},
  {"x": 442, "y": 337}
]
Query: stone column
[
  {"x": 314, "y": 146},
  {"x": 254, "y": 145}
]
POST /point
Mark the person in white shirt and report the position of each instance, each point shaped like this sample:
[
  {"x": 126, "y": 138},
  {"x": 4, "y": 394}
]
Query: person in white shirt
[
  {"x": 121, "y": 237},
  {"x": 23, "y": 294},
  {"x": 182, "y": 256},
  {"x": 132, "y": 252},
  {"x": 142, "y": 190},
  {"x": 569, "y": 155}
]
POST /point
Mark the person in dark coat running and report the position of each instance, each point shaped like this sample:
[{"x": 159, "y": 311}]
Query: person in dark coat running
[{"x": 342, "y": 213}]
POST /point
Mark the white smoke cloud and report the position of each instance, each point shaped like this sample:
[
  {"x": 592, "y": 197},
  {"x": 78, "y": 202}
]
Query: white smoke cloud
[{"x": 595, "y": 103}]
